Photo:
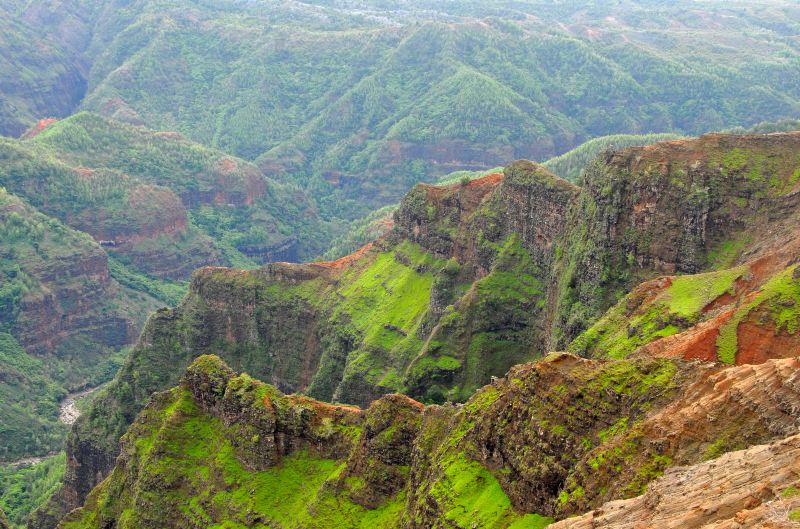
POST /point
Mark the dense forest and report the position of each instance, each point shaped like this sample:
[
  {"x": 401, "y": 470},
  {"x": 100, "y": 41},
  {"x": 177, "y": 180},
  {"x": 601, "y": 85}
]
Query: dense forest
[{"x": 356, "y": 101}]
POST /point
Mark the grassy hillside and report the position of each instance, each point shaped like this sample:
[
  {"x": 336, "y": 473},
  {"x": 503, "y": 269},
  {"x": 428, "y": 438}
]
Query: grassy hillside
[{"x": 164, "y": 205}]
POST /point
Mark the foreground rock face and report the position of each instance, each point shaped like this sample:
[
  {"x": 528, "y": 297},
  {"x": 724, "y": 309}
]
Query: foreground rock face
[
  {"x": 478, "y": 277},
  {"x": 757, "y": 487},
  {"x": 553, "y": 439}
]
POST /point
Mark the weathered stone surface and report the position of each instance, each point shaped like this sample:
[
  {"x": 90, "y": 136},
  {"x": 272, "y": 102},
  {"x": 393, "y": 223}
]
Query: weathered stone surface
[{"x": 739, "y": 490}]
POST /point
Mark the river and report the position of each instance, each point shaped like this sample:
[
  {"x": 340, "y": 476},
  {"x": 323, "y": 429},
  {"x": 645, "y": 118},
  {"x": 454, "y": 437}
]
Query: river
[{"x": 68, "y": 413}]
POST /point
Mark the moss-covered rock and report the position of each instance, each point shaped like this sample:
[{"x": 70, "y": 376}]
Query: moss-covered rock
[
  {"x": 674, "y": 207},
  {"x": 554, "y": 438}
]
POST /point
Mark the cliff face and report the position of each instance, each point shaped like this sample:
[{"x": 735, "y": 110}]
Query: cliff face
[
  {"x": 674, "y": 207},
  {"x": 69, "y": 283},
  {"x": 604, "y": 431},
  {"x": 478, "y": 277}
]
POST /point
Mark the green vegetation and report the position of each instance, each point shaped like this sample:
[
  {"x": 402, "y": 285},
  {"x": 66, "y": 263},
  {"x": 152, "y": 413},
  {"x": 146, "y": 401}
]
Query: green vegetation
[
  {"x": 469, "y": 495},
  {"x": 40, "y": 256},
  {"x": 190, "y": 452},
  {"x": 356, "y": 103},
  {"x": 25, "y": 488},
  {"x": 725, "y": 253},
  {"x": 768, "y": 127},
  {"x": 168, "y": 292},
  {"x": 28, "y": 404},
  {"x": 688, "y": 295},
  {"x": 779, "y": 298},
  {"x": 484, "y": 332},
  {"x": 626, "y": 326},
  {"x": 570, "y": 164},
  {"x": 790, "y": 492},
  {"x": 120, "y": 182}
]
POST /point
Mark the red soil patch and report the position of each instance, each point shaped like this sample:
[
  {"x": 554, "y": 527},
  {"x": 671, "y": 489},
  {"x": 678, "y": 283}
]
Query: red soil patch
[
  {"x": 324, "y": 410},
  {"x": 227, "y": 166},
  {"x": 490, "y": 180},
  {"x": 759, "y": 343},
  {"x": 39, "y": 127},
  {"x": 346, "y": 260}
]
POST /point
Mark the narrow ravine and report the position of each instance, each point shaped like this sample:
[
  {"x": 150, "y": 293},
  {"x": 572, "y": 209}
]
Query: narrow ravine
[{"x": 68, "y": 413}]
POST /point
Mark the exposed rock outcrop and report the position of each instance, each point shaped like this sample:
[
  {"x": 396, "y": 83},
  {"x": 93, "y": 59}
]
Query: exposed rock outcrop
[
  {"x": 554, "y": 438},
  {"x": 672, "y": 207},
  {"x": 748, "y": 489}
]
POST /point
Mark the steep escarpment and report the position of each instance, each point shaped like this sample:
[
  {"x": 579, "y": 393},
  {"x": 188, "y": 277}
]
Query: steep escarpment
[
  {"x": 553, "y": 438},
  {"x": 673, "y": 207},
  {"x": 274, "y": 459},
  {"x": 349, "y": 330}
]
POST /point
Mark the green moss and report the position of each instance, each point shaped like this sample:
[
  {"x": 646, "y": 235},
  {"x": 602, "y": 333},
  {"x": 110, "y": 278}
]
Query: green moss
[
  {"x": 734, "y": 160},
  {"x": 793, "y": 179},
  {"x": 189, "y": 454},
  {"x": 389, "y": 294},
  {"x": 472, "y": 497},
  {"x": 794, "y": 516},
  {"x": 780, "y": 296},
  {"x": 724, "y": 254},
  {"x": 688, "y": 295},
  {"x": 619, "y": 333},
  {"x": 616, "y": 428},
  {"x": 483, "y": 399},
  {"x": 716, "y": 449},
  {"x": 790, "y": 492},
  {"x": 488, "y": 330}
]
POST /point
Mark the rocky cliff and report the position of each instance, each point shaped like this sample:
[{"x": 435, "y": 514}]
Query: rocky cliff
[
  {"x": 477, "y": 277},
  {"x": 553, "y": 438},
  {"x": 753, "y": 488},
  {"x": 674, "y": 207}
]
